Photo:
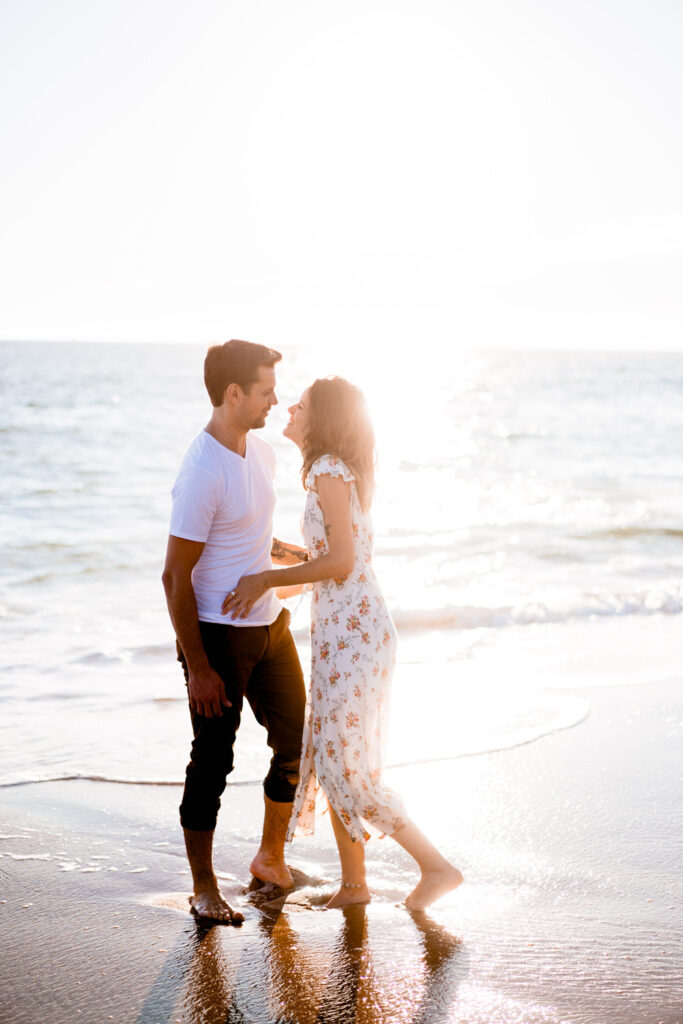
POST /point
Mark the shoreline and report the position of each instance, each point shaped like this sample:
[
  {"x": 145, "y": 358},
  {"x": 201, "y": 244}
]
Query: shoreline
[
  {"x": 500, "y": 690},
  {"x": 568, "y": 911}
]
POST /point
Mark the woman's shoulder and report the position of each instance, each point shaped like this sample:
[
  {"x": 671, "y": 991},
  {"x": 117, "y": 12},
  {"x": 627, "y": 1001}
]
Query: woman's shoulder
[{"x": 328, "y": 465}]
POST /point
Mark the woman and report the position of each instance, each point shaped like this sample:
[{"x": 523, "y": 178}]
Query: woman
[{"x": 353, "y": 645}]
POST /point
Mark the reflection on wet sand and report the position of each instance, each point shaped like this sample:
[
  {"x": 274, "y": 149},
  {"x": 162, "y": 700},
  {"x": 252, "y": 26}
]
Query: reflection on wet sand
[
  {"x": 301, "y": 967},
  {"x": 329, "y": 988},
  {"x": 445, "y": 967}
]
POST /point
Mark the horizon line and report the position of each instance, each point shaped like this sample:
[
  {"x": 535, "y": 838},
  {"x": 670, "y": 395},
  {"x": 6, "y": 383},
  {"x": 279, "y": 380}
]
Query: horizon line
[{"x": 473, "y": 348}]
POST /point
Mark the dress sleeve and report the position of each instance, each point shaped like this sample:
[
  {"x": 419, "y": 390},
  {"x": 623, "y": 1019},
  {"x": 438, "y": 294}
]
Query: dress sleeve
[{"x": 328, "y": 465}]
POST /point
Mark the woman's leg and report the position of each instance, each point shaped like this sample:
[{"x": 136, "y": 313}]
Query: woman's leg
[
  {"x": 438, "y": 876},
  {"x": 352, "y": 859}
]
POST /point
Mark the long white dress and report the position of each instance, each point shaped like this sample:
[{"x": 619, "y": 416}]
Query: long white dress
[{"x": 353, "y": 652}]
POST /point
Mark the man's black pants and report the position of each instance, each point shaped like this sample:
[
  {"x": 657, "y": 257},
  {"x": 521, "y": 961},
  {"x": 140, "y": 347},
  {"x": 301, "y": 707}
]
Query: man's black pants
[{"x": 260, "y": 663}]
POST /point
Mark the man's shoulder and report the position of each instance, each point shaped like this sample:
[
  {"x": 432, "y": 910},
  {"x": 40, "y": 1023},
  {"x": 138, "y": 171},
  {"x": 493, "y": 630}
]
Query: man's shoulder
[
  {"x": 206, "y": 450},
  {"x": 202, "y": 455}
]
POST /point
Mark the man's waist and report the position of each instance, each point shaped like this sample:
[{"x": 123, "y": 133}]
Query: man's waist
[
  {"x": 248, "y": 623},
  {"x": 263, "y": 613}
]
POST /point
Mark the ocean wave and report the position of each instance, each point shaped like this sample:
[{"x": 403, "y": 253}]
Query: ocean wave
[
  {"x": 84, "y": 777},
  {"x": 75, "y": 570},
  {"x": 632, "y": 533},
  {"x": 127, "y": 654},
  {"x": 45, "y": 546},
  {"x": 648, "y": 602},
  {"x": 460, "y": 617},
  {"x": 570, "y": 723},
  {"x": 153, "y": 651},
  {"x": 78, "y": 777},
  {"x": 99, "y": 658},
  {"x": 578, "y": 715},
  {"x": 147, "y": 652}
]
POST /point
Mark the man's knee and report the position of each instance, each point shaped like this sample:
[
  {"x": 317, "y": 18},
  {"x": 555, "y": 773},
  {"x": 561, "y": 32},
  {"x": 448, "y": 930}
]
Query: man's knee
[
  {"x": 199, "y": 815},
  {"x": 281, "y": 781},
  {"x": 205, "y": 781}
]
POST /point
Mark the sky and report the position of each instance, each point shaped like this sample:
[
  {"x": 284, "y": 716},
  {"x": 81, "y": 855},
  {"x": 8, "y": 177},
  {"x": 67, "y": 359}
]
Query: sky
[{"x": 435, "y": 173}]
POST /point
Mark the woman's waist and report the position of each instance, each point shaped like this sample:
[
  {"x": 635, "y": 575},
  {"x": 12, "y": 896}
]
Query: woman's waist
[
  {"x": 359, "y": 579},
  {"x": 362, "y": 601}
]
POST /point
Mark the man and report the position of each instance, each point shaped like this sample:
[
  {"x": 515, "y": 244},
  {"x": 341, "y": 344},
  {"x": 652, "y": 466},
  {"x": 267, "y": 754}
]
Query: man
[{"x": 221, "y": 529}]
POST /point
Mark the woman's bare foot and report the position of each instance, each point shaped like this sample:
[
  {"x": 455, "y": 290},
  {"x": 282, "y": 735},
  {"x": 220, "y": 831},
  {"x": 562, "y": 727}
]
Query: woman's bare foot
[
  {"x": 348, "y": 896},
  {"x": 271, "y": 869},
  {"x": 432, "y": 885},
  {"x": 209, "y": 905}
]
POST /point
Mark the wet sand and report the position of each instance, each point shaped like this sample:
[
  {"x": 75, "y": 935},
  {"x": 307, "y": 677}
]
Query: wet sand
[{"x": 570, "y": 911}]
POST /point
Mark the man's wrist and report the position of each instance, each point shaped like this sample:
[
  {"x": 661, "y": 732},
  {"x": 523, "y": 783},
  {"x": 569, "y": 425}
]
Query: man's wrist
[{"x": 197, "y": 661}]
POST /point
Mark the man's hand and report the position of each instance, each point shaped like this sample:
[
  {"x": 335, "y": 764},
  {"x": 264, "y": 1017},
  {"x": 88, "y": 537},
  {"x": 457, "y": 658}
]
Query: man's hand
[{"x": 207, "y": 692}]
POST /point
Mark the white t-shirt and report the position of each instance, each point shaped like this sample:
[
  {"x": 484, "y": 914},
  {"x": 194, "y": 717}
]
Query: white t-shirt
[{"x": 226, "y": 502}]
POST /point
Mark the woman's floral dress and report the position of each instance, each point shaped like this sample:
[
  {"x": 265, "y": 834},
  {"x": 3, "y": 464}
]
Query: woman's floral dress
[{"x": 353, "y": 651}]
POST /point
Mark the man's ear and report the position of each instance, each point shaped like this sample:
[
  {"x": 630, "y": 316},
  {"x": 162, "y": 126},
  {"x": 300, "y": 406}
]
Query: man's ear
[{"x": 233, "y": 393}]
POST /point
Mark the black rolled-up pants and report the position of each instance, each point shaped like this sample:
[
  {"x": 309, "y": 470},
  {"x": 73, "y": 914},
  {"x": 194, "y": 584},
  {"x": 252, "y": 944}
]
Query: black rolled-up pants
[{"x": 260, "y": 663}]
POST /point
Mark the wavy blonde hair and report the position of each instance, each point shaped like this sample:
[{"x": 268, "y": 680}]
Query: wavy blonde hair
[{"x": 339, "y": 425}]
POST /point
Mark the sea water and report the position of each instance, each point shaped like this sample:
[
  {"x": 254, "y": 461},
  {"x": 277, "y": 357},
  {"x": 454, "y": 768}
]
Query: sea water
[{"x": 528, "y": 522}]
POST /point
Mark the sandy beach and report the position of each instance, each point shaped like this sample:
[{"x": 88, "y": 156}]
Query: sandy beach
[{"x": 569, "y": 913}]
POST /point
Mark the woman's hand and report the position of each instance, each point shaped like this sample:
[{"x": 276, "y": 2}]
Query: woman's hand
[{"x": 240, "y": 600}]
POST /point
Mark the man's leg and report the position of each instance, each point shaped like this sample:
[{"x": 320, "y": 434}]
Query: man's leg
[
  {"x": 277, "y": 695},
  {"x": 210, "y": 763},
  {"x": 206, "y": 900},
  {"x": 269, "y": 863}
]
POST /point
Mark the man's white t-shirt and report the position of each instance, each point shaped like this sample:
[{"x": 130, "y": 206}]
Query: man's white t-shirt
[{"x": 226, "y": 502}]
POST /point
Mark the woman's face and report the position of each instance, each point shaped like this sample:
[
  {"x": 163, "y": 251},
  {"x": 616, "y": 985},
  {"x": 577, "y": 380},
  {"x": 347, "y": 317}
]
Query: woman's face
[{"x": 298, "y": 421}]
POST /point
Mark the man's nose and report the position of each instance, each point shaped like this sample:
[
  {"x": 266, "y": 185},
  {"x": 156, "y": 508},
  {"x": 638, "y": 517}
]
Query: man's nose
[{"x": 273, "y": 400}]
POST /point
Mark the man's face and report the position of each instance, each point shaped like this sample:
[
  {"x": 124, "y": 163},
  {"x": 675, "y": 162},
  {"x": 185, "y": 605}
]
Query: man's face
[{"x": 258, "y": 399}]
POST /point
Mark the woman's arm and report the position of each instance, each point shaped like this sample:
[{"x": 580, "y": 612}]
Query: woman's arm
[
  {"x": 285, "y": 592},
  {"x": 335, "y": 501},
  {"x": 287, "y": 554}
]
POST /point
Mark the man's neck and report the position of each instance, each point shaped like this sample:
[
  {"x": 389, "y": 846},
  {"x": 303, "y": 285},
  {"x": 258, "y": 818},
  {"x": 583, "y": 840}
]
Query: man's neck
[{"x": 227, "y": 433}]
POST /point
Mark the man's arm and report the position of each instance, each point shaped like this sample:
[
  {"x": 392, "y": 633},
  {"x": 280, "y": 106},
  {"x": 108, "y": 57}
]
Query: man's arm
[
  {"x": 287, "y": 554},
  {"x": 205, "y": 687}
]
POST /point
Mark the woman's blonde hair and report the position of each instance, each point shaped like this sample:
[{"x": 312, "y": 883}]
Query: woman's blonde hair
[{"x": 339, "y": 425}]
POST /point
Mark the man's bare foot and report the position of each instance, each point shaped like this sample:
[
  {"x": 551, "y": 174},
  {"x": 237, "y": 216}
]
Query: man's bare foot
[
  {"x": 348, "y": 897},
  {"x": 209, "y": 905},
  {"x": 432, "y": 886},
  {"x": 271, "y": 869}
]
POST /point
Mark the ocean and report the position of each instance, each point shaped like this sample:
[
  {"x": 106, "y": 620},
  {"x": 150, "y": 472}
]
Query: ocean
[{"x": 528, "y": 520}]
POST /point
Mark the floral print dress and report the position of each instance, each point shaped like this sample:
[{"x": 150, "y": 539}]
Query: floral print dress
[{"x": 353, "y": 651}]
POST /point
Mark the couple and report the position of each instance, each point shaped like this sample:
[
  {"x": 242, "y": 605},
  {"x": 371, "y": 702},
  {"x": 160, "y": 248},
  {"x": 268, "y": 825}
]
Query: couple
[{"x": 234, "y": 641}]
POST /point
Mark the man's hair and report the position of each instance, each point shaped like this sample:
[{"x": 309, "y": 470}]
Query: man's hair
[{"x": 235, "y": 362}]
